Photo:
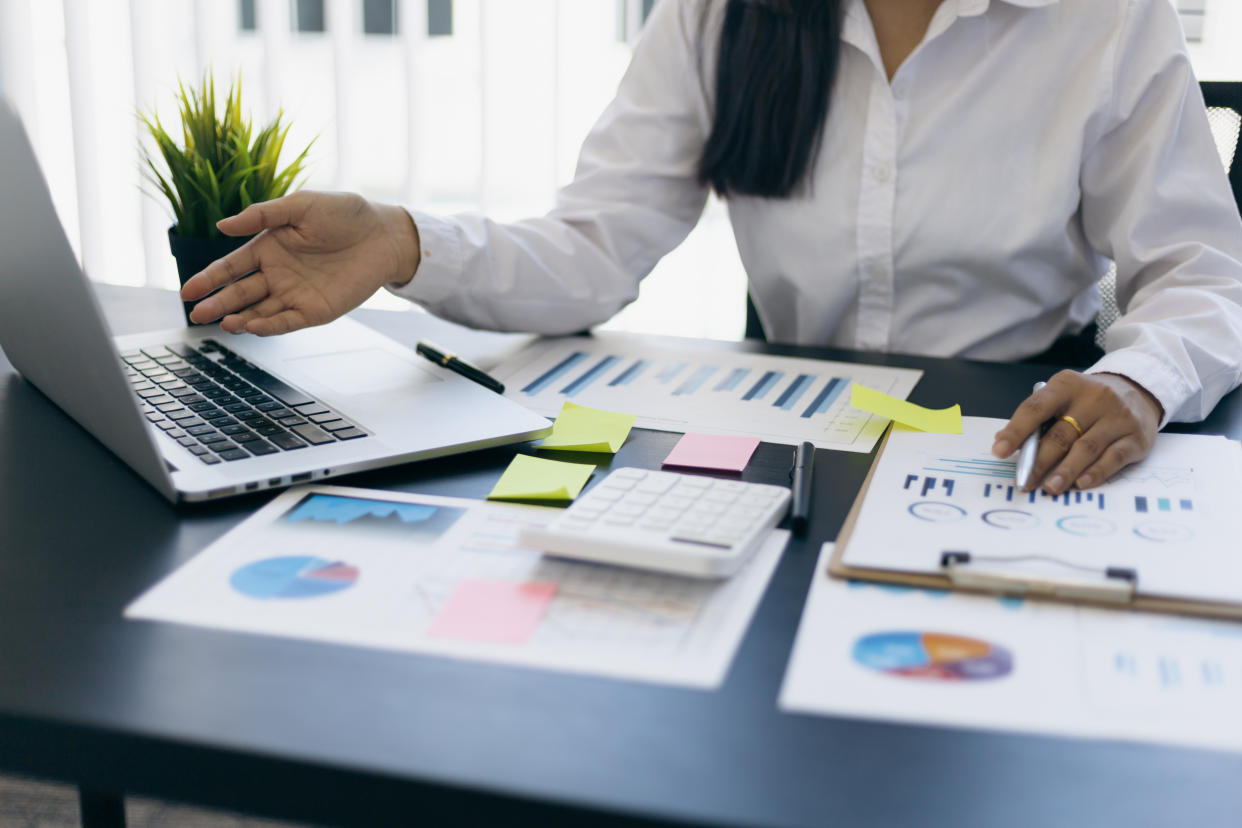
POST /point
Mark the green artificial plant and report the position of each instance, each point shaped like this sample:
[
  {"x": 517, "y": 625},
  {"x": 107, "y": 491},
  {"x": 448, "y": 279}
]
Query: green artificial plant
[{"x": 222, "y": 165}]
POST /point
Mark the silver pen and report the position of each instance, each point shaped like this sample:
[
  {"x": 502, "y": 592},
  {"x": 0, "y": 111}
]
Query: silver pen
[{"x": 1026, "y": 455}]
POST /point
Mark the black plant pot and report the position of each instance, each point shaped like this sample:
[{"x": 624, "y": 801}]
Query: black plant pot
[{"x": 194, "y": 254}]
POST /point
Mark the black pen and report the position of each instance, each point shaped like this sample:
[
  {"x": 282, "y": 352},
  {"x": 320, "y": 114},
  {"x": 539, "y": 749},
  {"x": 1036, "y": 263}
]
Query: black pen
[
  {"x": 467, "y": 370},
  {"x": 803, "y": 465}
]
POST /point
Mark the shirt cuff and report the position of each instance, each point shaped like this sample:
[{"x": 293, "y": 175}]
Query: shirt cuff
[
  {"x": 1168, "y": 387},
  {"x": 440, "y": 262}
]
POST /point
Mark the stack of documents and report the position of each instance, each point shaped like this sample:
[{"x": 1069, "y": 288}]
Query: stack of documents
[{"x": 1165, "y": 530}]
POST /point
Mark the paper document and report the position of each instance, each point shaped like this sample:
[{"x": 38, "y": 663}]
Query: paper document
[
  {"x": 934, "y": 657},
  {"x": 679, "y": 385},
  {"x": 1173, "y": 518},
  {"x": 444, "y": 576}
]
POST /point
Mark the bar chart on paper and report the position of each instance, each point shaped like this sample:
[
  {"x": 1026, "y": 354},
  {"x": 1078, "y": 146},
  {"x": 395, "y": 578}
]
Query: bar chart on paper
[{"x": 678, "y": 387}]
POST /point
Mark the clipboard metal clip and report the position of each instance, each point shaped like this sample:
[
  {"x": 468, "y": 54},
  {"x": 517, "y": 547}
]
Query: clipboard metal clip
[{"x": 1112, "y": 584}]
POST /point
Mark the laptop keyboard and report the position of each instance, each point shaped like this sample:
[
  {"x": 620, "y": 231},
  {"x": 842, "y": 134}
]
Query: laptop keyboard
[{"x": 223, "y": 408}]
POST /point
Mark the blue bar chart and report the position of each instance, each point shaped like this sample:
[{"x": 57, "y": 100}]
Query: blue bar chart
[{"x": 677, "y": 388}]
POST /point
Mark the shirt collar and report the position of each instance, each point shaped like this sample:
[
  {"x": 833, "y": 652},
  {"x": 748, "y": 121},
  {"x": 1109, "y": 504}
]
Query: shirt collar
[
  {"x": 971, "y": 8},
  {"x": 856, "y": 28}
]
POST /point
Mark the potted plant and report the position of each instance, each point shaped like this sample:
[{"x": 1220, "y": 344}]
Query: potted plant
[{"x": 220, "y": 167}]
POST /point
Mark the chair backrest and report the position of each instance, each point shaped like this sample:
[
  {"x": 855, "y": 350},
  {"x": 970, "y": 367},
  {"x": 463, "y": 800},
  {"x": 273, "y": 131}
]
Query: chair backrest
[
  {"x": 1224, "y": 103},
  {"x": 1224, "y": 106}
]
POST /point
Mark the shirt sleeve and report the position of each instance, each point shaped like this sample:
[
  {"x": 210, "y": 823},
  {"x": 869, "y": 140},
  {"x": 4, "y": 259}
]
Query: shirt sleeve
[
  {"x": 1156, "y": 200},
  {"x": 634, "y": 197}
]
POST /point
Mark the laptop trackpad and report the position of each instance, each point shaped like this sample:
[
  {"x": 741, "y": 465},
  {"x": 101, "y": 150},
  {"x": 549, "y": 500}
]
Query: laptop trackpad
[{"x": 364, "y": 371}]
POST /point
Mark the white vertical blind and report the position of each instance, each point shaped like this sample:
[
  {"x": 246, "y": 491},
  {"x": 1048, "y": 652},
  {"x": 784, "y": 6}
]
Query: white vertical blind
[{"x": 487, "y": 118}]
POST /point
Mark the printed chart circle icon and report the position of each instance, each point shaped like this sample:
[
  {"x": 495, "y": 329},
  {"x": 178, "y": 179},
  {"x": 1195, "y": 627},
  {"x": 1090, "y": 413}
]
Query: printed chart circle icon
[
  {"x": 935, "y": 512},
  {"x": 1086, "y": 526},
  {"x": 1164, "y": 532},
  {"x": 1010, "y": 519},
  {"x": 298, "y": 576},
  {"x": 932, "y": 656}
]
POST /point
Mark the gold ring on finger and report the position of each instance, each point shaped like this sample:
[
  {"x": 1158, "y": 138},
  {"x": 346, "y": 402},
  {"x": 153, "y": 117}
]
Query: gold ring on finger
[{"x": 1067, "y": 418}]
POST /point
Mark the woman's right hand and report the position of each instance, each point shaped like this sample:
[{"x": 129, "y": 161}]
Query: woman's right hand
[{"x": 316, "y": 257}]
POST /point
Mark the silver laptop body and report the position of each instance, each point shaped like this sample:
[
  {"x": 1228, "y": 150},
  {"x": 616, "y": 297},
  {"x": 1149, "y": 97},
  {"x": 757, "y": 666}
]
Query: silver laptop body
[{"x": 53, "y": 331}]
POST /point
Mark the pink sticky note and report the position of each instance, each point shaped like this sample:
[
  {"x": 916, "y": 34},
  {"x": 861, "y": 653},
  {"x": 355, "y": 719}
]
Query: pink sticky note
[
  {"x": 712, "y": 451},
  {"x": 498, "y": 612}
]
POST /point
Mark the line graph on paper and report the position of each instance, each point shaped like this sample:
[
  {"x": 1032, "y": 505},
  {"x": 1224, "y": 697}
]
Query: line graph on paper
[{"x": 1167, "y": 476}]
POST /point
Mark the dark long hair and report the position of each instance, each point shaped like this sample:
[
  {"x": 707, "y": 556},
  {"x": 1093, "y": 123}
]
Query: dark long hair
[{"x": 774, "y": 75}]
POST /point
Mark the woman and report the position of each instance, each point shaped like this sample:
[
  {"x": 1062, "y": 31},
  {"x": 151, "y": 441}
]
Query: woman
[{"x": 944, "y": 178}]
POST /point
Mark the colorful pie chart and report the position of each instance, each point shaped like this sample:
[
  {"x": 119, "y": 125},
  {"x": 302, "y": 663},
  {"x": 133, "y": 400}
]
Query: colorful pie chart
[
  {"x": 297, "y": 576},
  {"x": 932, "y": 656}
]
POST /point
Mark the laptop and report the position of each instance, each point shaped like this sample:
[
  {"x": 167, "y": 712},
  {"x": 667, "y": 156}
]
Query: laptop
[{"x": 201, "y": 414}]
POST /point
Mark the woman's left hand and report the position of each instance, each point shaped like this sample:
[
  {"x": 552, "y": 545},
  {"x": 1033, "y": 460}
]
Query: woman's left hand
[{"x": 1118, "y": 419}]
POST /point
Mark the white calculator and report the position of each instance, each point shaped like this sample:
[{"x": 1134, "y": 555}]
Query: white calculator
[{"x": 666, "y": 521}]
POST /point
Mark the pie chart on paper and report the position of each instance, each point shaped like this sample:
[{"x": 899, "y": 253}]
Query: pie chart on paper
[
  {"x": 932, "y": 656},
  {"x": 299, "y": 576}
]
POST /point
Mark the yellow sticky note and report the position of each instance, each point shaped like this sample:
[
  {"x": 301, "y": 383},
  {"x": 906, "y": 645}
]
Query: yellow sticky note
[
  {"x": 578, "y": 428},
  {"x": 944, "y": 421},
  {"x": 533, "y": 478}
]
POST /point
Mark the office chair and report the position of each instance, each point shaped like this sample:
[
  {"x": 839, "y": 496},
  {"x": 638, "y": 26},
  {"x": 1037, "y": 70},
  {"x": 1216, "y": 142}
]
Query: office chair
[{"x": 1224, "y": 102}]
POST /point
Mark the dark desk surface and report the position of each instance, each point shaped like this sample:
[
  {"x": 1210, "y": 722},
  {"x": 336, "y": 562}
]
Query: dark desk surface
[{"x": 332, "y": 734}]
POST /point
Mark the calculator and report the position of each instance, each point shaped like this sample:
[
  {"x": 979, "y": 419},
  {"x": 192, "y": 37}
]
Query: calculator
[{"x": 665, "y": 521}]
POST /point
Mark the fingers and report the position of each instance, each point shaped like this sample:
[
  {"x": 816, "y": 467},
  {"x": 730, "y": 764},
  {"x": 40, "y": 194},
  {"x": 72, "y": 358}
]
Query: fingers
[
  {"x": 268, "y": 318},
  {"x": 264, "y": 216},
  {"x": 221, "y": 272},
  {"x": 240, "y": 294},
  {"x": 1045, "y": 404},
  {"x": 1064, "y": 455},
  {"x": 1117, "y": 456},
  {"x": 236, "y": 322},
  {"x": 281, "y": 323}
]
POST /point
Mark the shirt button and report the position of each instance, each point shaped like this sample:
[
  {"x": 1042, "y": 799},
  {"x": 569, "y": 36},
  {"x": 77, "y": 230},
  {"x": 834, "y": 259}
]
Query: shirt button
[
  {"x": 875, "y": 271},
  {"x": 882, "y": 172},
  {"x": 900, "y": 89}
]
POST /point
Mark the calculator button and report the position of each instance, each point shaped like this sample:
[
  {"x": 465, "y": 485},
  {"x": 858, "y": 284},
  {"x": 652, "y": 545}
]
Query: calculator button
[
  {"x": 716, "y": 496},
  {"x": 677, "y": 502},
  {"x": 628, "y": 474},
  {"x": 658, "y": 483},
  {"x": 699, "y": 539},
  {"x": 693, "y": 482},
  {"x": 641, "y": 498}
]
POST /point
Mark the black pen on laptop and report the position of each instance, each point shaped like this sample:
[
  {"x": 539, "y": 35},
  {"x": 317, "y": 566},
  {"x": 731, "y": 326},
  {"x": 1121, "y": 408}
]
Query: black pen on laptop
[{"x": 456, "y": 365}]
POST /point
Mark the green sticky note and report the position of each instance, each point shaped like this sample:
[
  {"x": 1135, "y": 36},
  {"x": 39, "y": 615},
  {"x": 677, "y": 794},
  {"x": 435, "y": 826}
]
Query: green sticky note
[
  {"x": 943, "y": 421},
  {"x": 578, "y": 428},
  {"x": 533, "y": 478}
]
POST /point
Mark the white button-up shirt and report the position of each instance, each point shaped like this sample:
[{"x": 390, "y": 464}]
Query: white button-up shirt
[{"x": 967, "y": 208}]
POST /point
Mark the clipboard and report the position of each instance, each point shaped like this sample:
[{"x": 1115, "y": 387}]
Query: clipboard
[{"x": 1107, "y": 587}]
